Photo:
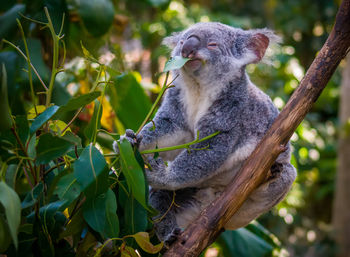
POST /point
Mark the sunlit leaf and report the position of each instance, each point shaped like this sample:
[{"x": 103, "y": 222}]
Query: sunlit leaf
[
  {"x": 31, "y": 113},
  {"x": 12, "y": 206},
  {"x": 127, "y": 251},
  {"x": 142, "y": 239},
  {"x": 175, "y": 63},
  {"x": 50, "y": 147}
]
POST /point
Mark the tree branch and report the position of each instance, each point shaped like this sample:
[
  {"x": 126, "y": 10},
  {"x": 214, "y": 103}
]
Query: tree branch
[{"x": 209, "y": 224}]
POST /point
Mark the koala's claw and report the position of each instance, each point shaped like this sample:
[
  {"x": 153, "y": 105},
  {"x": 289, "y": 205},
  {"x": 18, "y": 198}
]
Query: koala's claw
[
  {"x": 131, "y": 136},
  {"x": 171, "y": 238}
]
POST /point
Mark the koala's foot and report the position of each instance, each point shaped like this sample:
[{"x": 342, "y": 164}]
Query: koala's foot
[
  {"x": 276, "y": 168},
  {"x": 171, "y": 238},
  {"x": 131, "y": 136}
]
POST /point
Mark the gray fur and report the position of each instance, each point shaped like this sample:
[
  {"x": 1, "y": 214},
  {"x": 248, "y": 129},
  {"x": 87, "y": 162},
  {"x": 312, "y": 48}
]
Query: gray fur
[{"x": 216, "y": 96}]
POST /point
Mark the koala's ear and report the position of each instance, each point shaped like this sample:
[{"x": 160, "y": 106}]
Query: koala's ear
[
  {"x": 172, "y": 40},
  {"x": 256, "y": 43}
]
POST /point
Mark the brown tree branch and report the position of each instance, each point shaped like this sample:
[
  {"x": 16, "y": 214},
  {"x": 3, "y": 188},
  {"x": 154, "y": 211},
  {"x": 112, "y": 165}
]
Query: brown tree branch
[{"x": 209, "y": 224}]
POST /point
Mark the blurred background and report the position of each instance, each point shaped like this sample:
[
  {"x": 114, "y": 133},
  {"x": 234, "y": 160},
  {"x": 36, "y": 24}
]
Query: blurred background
[{"x": 126, "y": 35}]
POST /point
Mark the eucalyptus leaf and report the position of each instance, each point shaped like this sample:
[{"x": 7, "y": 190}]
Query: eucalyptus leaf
[
  {"x": 43, "y": 118},
  {"x": 76, "y": 102},
  {"x": 12, "y": 206},
  {"x": 33, "y": 196},
  {"x": 142, "y": 239},
  {"x": 95, "y": 122},
  {"x": 97, "y": 15},
  {"x": 51, "y": 147},
  {"x": 175, "y": 63},
  {"x": 5, "y": 114},
  {"x": 91, "y": 171},
  {"x": 68, "y": 188},
  {"x": 129, "y": 100},
  {"x": 133, "y": 172},
  {"x": 94, "y": 212},
  {"x": 111, "y": 228}
]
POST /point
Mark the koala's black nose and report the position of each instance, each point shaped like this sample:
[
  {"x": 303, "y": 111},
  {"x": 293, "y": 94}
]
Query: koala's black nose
[{"x": 190, "y": 47}]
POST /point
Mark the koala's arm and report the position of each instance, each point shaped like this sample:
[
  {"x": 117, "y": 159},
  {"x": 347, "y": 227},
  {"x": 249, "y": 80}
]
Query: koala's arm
[
  {"x": 169, "y": 126},
  {"x": 190, "y": 169}
]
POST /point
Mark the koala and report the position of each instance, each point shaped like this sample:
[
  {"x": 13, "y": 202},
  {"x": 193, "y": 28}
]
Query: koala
[{"x": 212, "y": 92}]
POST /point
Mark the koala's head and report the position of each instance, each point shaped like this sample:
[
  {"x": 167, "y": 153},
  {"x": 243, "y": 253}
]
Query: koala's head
[{"x": 215, "y": 48}]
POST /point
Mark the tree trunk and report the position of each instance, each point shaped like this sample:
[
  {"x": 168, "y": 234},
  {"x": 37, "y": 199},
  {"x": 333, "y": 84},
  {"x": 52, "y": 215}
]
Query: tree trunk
[
  {"x": 341, "y": 208},
  {"x": 210, "y": 222}
]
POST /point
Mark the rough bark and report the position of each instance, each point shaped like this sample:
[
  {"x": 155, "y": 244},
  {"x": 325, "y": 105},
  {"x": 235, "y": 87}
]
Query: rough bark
[
  {"x": 209, "y": 224},
  {"x": 341, "y": 208}
]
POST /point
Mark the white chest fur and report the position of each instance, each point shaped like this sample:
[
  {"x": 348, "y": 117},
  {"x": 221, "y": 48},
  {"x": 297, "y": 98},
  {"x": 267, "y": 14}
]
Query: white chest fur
[{"x": 197, "y": 99}]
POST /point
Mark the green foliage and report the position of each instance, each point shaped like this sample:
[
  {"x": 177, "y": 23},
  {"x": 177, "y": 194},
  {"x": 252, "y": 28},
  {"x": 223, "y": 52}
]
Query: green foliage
[{"x": 58, "y": 122}]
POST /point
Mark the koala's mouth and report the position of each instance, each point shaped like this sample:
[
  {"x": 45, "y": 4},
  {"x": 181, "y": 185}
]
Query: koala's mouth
[{"x": 194, "y": 64}]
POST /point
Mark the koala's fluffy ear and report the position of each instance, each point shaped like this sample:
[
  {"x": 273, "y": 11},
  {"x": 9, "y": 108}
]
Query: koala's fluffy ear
[
  {"x": 256, "y": 43},
  {"x": 172, "y": 40}
]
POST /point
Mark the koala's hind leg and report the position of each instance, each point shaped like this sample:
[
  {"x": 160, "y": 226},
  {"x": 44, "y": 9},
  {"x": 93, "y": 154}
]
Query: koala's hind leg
[
  {"x": 265, "y": 196},
  {"x": 168, "y": 204}
]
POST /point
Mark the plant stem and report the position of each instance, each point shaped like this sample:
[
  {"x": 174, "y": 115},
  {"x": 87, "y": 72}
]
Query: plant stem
[
  {"x": 29, "y": 65},
  {"x": 54, "y": 59},
  {"x": 13, "y": 129},
  {"x": 25, "y": 57},
  {"x": 171, "y": 148},
  {"x": 161, "y": 93},
  {"x": 187, "y": 145}
]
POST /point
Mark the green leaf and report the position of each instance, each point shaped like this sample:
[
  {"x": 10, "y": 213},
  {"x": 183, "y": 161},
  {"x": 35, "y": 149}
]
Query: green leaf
[
  {"x": 135, "y": 216},
  {"x": 175, "y": 63},
  {"x": 75, "y": 226},
  {"x": 133, "y": 172},
  {"x": 68, "y": 188},
  {"x": 74, "y": 139},
  {"x": 87, "y": 54},
  {"x": 33, "y": 196},
  {"x": 142, "y": 239},
  {"x": 42, "y": 118},
  {"x": 5, "y": 240},
  {"x": 12, "y": 205},
  {"x": 97, "y": 15},
  {"x": 242, "y": 242},
  {"x": 51, "y": 147},
  {"x": 94, "y": 212},
  {"x": 76, "y": 102},
  {"x": 5, "y": 113},
  {"x": 111, "y": 228},
  {"x": 91, "y": 171},
  {"x": 8, "y": 20},
  {"x": 95, "y": 122},
  {"x": 128, "y": 100},
  {"x": 11, "y": 174}
]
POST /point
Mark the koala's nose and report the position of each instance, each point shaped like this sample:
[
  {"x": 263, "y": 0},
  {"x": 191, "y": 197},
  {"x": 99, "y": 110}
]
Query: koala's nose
[{"x": 190, "y": 47}]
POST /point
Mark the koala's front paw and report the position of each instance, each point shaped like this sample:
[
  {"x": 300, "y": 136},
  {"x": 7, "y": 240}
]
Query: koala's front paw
[
  {"x": 131, "y": 136},
  {"x": 156, "y": 175}
]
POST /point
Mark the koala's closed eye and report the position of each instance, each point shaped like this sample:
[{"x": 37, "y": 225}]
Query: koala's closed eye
[{"x": 212, "y": 45}]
